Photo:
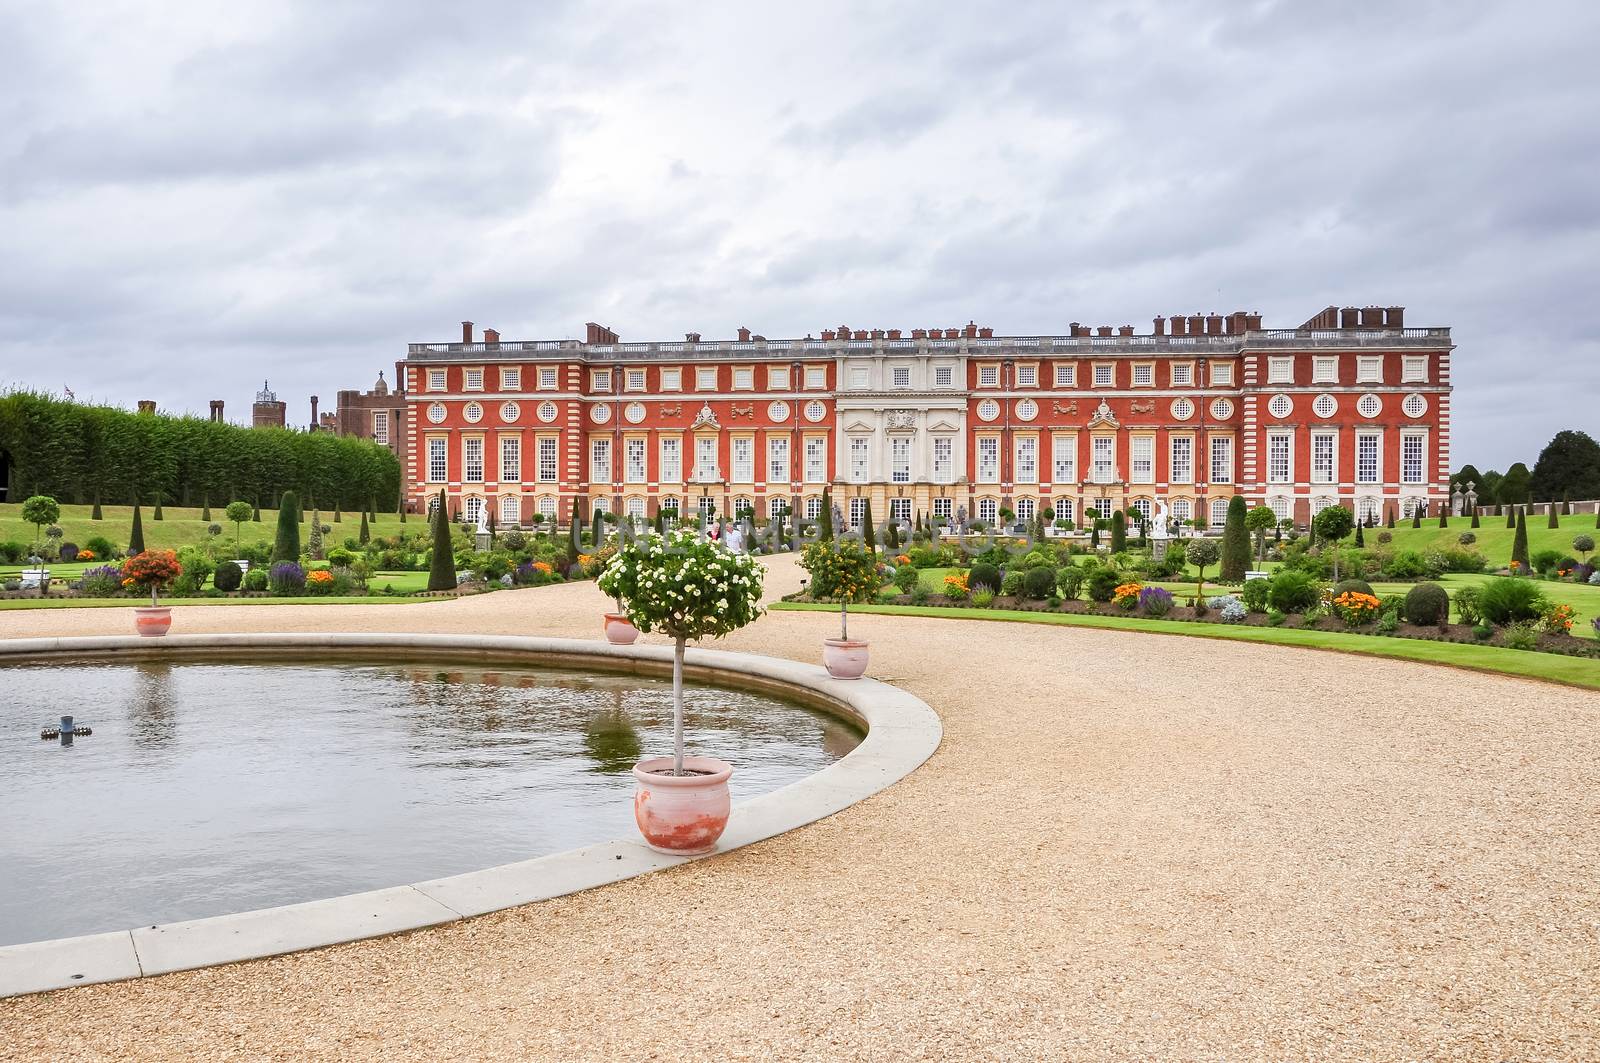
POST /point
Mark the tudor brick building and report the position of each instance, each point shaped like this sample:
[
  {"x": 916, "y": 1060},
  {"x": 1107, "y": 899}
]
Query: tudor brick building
[{"x": 1352, "y": 407}]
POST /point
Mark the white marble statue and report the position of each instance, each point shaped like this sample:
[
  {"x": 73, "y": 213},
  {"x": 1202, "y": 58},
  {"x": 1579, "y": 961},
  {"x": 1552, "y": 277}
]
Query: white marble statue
[{"x": 1160, "y": 523}]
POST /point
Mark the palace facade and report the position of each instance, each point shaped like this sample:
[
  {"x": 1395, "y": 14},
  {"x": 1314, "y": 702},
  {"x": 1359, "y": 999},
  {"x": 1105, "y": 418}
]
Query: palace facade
[{"x": 1352, "y": 407}]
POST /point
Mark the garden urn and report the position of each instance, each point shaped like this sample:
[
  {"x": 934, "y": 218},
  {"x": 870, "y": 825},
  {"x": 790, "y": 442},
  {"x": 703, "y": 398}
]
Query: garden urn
[
  {"x": 152, "y": 621},
  {"x": 682, "y": 815},
  {"x": 620, "y": 630},
  {"x": 844, "y": 658}
]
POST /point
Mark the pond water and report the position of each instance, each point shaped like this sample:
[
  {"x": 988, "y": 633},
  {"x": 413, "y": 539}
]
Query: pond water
[{"x": 209, "y": 788}]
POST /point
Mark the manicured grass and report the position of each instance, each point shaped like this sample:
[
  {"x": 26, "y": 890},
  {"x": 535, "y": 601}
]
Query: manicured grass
[
  {"x": 1527, "y": 664},
  {"x": 398, "y": 582},
  {"x": 181, "y": 526}
]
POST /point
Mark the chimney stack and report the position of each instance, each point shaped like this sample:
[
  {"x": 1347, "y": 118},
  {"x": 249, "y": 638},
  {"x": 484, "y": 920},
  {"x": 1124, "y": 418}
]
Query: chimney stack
[
  {"x": 1213, "y": 324},
  {"x": 216, "y": 410},
  {"x": 744, "y": 334},
  {"x": 1180, "y": 325},
  {"x": 1197, "y": 325},
  {"x": 1372, "y": 317},
  {"x": 466, "y": 332},
  {"x": 1252, "y": 322},
  {"x": 986, "y": 333},
  {"x": 1103, "y": 330},
  {"x": 491, "y": 336},
  {"x": 1125, "y": 330},
  {"x": 1349, "y": 317},
  {"x": 1395, "y": 317},
  {"x": 1160, "y": 326},
  {"x": 313, "y": 413},
  {"x": 147, "y": 405},
  {"x": 691, "y": 337}
]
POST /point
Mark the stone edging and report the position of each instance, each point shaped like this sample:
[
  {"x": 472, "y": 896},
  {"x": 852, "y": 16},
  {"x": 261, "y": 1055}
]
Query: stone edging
[{"x": 902, "y": 732}]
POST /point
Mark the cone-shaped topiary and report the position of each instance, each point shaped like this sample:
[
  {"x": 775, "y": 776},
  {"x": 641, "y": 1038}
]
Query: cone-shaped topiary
[
  {"x": 825, "y": 518},
  {"x": 96, "y": 514},
  {"x": 205, "y": 506},
  {"x": 1475, "y": 518},
  {"x": 574, "y": 531},
  {"x": 338, "y": 515},
  {"x": 366, "y": 536},
  {"x": 1511, "y": 516},
  {"x": 136, "y": 537},
  {"x": 1416, "y": 517},
  {"x": 871, "y": 535},
  {"x": 1519, "y": 544},
  {"x": 1390, "y": 522},
  {"x": 442, "y": 569},
  {"x": 1235, "y": 543},
  {"x": 255, "y": 512},
  {"x": 286, "y": 545},
  {"x": 1444, "y": 520},
  {"x": 1555, "y": 522},
  {"x": 1119, "y": 532},
  {"x": 1361, "y": 540},
  {"x": 156, "y": 515}
]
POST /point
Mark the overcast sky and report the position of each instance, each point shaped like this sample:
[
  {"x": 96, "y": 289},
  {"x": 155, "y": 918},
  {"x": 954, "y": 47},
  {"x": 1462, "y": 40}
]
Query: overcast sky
[{"x": 197, "y": 196}]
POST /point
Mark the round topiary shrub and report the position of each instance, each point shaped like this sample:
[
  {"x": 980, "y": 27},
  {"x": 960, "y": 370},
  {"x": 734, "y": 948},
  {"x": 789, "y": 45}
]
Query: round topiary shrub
[
  {"x": 1039, "y": 583},
  {"x": 983, "y": 575},
  {"x": 227, "y": 577},
  {"x": 1427, "y": 604},
  {"x": 1292, "y": 591},
  {"x": 1360, "y": 586}
]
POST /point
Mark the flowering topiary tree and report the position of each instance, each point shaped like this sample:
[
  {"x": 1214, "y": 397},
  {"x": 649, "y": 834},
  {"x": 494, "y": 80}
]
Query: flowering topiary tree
[
  {"x": 844, "y": 570},
  {"x": 685, "y": 587},
  {"x": 151, "y": 571}
]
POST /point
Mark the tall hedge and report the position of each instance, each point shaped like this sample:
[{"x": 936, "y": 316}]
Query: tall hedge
[
  {"x": 286, "y": 545},
  {"x": 1235, "y": 543},
  {"x": 73, "y": 452}
]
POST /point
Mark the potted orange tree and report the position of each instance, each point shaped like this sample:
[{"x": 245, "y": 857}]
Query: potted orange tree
[
  {"x": 687, "y": 588},
  {"x": 151, "y": 570},
  {"x": 844, "y": 570}
]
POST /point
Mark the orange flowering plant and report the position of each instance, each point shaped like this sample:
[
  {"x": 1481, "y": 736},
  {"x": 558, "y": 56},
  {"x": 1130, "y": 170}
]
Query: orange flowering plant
[
  {"x": 956, "y": 586},
  {"x": 1126, "y": 596},
  {"x": 1558, "y": 620},
  {"x": 1356, "y": 608},
  {"x": 844, "y": 570},
  {"x": 151, "y": 571}
]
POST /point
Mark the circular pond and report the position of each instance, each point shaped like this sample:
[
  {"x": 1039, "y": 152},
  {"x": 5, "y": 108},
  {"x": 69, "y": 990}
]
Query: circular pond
[{"x": 210, "y": 787}]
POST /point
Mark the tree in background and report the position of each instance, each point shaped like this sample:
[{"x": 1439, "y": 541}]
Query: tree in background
[
  {"x": 1568, "y": 467},
  {"x": 442, "y": 568},
  {"x": 1201, "y": 552},
  {"x": 1513, "y": 489},
  {"x": 286, "y": 545},
  {"x": 1332, "y": 525},
  {"x": 1489, "y": 488},
  {"x": 136, "y": 536},
  {"x": 1259, "y": 521},
  {"x": 1519, "y": 544},
  {"x": 1468, "y": 474},
  {"x": 238, "y": 512},
  {"x": 1235, "y": 543},
  {"x": 40, "y": 511}
]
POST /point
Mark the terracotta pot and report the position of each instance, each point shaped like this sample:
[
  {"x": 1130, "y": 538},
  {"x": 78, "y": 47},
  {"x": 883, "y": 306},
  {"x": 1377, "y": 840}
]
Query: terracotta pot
[
  {"x": 844, "y": 658},
  {"x": 683, "y": 815},
  {"x": 152, "y": 621},
  {"x": 620, "y": 630}
]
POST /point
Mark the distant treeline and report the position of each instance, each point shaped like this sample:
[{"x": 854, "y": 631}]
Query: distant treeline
[{"x": 84, "y": 454}]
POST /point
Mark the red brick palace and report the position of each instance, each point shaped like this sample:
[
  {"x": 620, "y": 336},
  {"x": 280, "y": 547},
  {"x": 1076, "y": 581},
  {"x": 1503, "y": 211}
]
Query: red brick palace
[{"x": 1352, "y": 407}]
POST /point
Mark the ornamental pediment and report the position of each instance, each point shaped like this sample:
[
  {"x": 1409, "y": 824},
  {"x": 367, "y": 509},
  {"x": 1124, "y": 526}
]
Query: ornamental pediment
[
  {"x": 944, "y": 421},
  {"x": 706, "y": 418},
  {"x": 1103, "y": 416},
  {"x": 859, "y": 424}
]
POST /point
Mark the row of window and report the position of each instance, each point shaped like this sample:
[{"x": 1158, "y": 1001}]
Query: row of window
[
  {"x": 1368, "y": 457},
  {"x": 706, "y": 378},
  {"x": 634, "y": 468},
  {"x": 1325, "y": 369}
]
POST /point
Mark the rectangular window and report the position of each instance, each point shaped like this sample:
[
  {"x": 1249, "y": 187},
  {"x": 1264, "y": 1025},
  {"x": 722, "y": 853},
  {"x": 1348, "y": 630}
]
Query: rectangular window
[
  {"x": 1027, "y": 459},
  {"x": 1222, "y": 374},
  {"x": 671, "y": 460},
  {"x": 1105, "y": 374},
  {"x": 1142, "y": 459},
  {"x": 672, "y": 380},
  {"x": 1325, "y": 370},
  {"x": 633, "y": 459},
  {"x": 510, "y": 379},
  {"x": 510, "y": 459},
  {"x": 901, "y": 376},
  {"x": 1144, "y": 375},
  {"x": 1103, "y": 453},
  {"x": 988, "y": 511},
  {"x": 1182, "y": 460},
  {"x": 943, "y": 459},
  {"x": 860, "y": 458},
  {"x": 600, "y": 460},
  {"x": 988, "y": 376},
  {"x": 816, "y": 377},
  {"x": 1279, "y": 460},
  {"x": 1367, "y": 457},
  {"x": 816, "y": 459},
  {"x": 858, "y": 512},
  {"x": 1413, "y": 457},
  {"x": 858, "y": 378},
  {"x": 988, "y": 459},
  {"x": 380, "y": 426},
  {"x": 1027, "y": 376},
  {"x": 1066, "y": 375},
  {"x": 472, "y": 460},
  {"x": 900, "y": 510},
  {"x": 635, "y": 380},
  {"x": 1280, "y": 370},
  {"x": 472, "y": 380},
  {"x": 943, "y": 507},
  {"x": 777, "y": 378},
  {"x": 813, "y": 508},
  {"x": 1323, "y": 449},
  {"x": 777, "y": 459},
  {"x": 705, "y": 378},
  {"x": 548, "y": 448},
  {"x": 438, "y": 471},
  {"x": 744, "y": 459},
  {"x": 436, "y": 380},
  {"x": 1222, "y": 459},
  {"x": 1064, "y": 459},
  {"x": 1414, "y": 370},
  {"x": 600, "y": 380},
  {"x": 744, "y": 378},
  {"x": 705, "y": 458},
  {"x": 944, "y": 376},
  {"x": 900, "y": 459},
  {"x": 1369, "y": 369},
  {"x": 1182, "y": 374},
  {"x": 548, "y": 379}
]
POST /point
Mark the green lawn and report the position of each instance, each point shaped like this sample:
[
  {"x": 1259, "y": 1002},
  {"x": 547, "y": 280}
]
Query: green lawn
[
  {"x": 1526, "y": 664},
  {"x": 183, "y": 527}
]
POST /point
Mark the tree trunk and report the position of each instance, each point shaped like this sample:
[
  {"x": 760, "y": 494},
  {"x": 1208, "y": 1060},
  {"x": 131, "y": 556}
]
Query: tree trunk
[
  {"x": 844, "y": 620},
  {"x": 677, "y": 706}
]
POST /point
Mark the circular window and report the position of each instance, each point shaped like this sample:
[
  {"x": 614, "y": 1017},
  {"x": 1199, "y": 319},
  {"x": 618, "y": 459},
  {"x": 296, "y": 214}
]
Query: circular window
[
  {"x": 1027, "y": 410},
  {"x": 1368, "y": 406},
  {"x": 778, "y": 411},
  {"x": 634, "y": 412},
  {"x": 815, "y": 411},
  {"x": 988, "y": 410},
  {"x": 1280, "y": 406},
  {"x": 600, "y": 412},
  {"x": 546, "y": 412},
  {"x": 1324, "y": 406},
  {"x": 509, "y": 412},
  {"x": 436, "y": 413},
  {"x": 1415, "y": 406},
  {"x": 1182, "y": 409},
  {"x": 1221, "y": 409},
  {"x": 473, "y": 412}
]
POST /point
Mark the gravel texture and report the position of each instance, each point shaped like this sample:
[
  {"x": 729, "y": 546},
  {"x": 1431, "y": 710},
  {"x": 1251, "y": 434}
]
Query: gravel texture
[{"x": 1128, "y": 847}]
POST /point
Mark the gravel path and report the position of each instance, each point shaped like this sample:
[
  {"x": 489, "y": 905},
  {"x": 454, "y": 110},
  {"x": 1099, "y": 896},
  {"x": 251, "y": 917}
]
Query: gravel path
[{"x": 1128, "y": 847}]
